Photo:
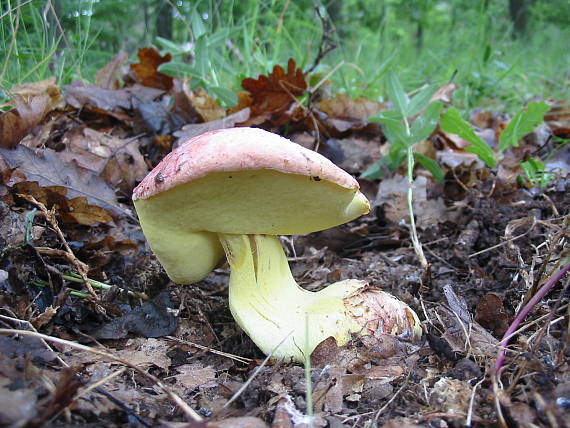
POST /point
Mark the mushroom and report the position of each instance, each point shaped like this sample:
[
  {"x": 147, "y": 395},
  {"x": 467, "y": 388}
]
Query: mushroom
[{"x": 234, "y": 191}]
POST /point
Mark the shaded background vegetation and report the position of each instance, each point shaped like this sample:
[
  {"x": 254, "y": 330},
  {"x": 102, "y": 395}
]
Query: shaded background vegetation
[{"x": 499, "y": 52}]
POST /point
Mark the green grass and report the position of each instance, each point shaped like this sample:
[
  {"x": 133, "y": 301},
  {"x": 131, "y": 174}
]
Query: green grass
[{"x": 471, "y": 44}]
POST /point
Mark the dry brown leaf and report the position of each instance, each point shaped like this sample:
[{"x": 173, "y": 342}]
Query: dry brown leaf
[
  {"x": 146, "y": 71},
  {"x": 244, "y": 101},
  {"x": 33, "y": 101},
  {"x": 31, "y": 90},
  {"x": 491, "y": 314},
  {"x": 12, "y": 129},
  {"x": 108, "y": 76},
  {"x": 444, "y": 93},
  {"x": 344, "y": 107},
  {"x": 194, "y": 129},
  {"x": 392, "y": 196},
  {"x": 75, "y": 210},
  {"x": 274, "y": 94},
  {"x": 144, "y": 352},
  {"x": 44, "y": 318},
  {"x": 78, "y": 95},
  {"x": 47, "y": 169},
  {"x": 196, "y": 375},
  {"x": 451, "y": 396},
  {"x": 208, "y": 108},
  {"x": 117, "y": 161}
]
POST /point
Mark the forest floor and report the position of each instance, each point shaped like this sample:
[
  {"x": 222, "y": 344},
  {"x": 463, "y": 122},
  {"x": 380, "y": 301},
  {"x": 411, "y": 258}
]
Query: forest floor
[{"x": 148, "y": 352}]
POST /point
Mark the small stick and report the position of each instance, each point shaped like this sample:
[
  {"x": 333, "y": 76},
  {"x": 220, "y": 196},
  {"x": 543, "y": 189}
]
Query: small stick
[
  {"x": 256, "y": 372},
  {"x": 191, "y": 413},
  {"x": 81, "y": 267},
  {"x": 242, "y": 360}
]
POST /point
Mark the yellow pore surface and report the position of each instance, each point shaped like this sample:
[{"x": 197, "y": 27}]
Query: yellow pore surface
[{"x": 181, "y": 224}]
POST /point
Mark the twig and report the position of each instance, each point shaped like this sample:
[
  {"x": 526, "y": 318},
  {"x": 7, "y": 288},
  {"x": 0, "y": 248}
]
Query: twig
[
  {"x": 326, "y": 44},
  {"x": 256, "y": 372},
  {"x": 494, "y": 247},
  {"x": 242, "y": 360},
  {"x": 385, "y": 406},
  {"x": 81, "y": 267},
  {"x": 191, "y": 413},
  {"x": 32, "y": 328}
]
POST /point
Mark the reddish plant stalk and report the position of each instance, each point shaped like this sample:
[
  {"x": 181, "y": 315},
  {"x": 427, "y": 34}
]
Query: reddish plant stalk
[{"x": 525, "y": 311}]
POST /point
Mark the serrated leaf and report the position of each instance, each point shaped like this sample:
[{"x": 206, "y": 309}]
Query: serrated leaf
[
  {"x": 420, "y": 100},
  {"x": 521, "y": 124},
  {"x": 453, "y": 123},
  {"x": 397, "y": 94},
  {"x": 425, "y": 124},
  {"x": 431, "y": 165}
]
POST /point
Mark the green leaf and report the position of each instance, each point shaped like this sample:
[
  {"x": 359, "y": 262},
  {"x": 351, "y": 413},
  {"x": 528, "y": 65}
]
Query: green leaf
[
  {"x": 431, "y": 165},
  {"x": 391, "y": 161},
  {"x": 179, "y": 69},
  {"x": 523, "y": 123},
  {"x": 197, "y": 25},
  {"x": 202, "y": 57},
  {"x": 170, "y": 46},
  {"x": 226, "y": 96},
  {"x": 374, "y": 171},
  {"x": 394, "y": 128},
  {"x": 420, "y": 100},
  {"x": 453, "y": 123},
  {"x": 534, "y": 170},
  {"x": 425, "y": 124},
  {"x": 397, "y": 94}
]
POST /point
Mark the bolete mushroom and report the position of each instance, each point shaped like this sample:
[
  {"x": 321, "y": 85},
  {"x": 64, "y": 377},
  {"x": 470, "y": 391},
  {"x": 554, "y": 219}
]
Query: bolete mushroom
[{"x": 234, "y": 191}]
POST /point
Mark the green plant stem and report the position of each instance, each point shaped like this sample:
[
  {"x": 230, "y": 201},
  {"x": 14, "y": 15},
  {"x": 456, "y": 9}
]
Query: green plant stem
[
  {"x": 43, "y": 284},
  {"x": 73, "y": 277},
  {"x": 413, "y": 231}
]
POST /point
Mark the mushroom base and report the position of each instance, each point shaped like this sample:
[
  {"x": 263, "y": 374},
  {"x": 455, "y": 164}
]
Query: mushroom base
[{"x": 287, "y": 321}]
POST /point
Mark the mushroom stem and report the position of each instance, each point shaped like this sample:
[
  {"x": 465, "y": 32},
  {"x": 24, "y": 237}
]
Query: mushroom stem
[{"x": 271, "y": 307}]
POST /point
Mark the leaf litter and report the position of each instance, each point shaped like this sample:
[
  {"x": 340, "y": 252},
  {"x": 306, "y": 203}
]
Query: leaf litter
[{"x": 490, "y": 237}]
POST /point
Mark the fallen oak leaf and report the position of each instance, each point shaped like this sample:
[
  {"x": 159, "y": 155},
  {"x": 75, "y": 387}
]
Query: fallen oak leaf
[
  {"x": 146, "y": 71},
  {"x": 47, "y": 169},
  {"x": 275, "y": 92}
]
